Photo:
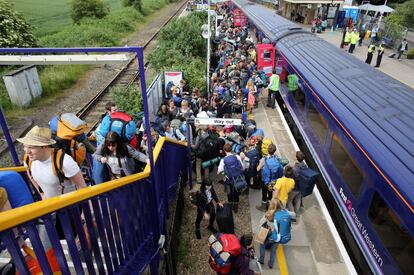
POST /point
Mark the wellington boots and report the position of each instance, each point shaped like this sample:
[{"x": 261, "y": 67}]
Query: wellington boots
[{"x": 262, "y": 207}]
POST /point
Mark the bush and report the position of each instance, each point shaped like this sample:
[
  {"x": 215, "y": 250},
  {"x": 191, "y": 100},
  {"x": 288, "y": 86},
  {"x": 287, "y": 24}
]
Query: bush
[
  {"x": 90, "y": 32},
  {"x": 88, "y": 8},
  {"x": 181, "y": 47},
  {"x": 14, "y": 30},
  {"x": 137, "y": 4},
  {"x": 410, "y": 54},
  {"x": 128, "y": 100}
]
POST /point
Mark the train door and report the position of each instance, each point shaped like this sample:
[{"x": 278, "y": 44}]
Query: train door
[
  {"x": 266, "y": 58},
  {"x": 239, "y": 18}
]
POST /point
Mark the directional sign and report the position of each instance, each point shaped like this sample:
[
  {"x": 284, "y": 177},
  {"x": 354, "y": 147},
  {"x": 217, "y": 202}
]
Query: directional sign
[{"x": 217, "y": 121}]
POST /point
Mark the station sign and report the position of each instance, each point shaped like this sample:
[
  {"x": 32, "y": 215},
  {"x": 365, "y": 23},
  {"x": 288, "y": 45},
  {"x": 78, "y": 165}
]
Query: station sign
[
  {"x": 199, "y": 6},
  {"x": 217, "y": 121}
]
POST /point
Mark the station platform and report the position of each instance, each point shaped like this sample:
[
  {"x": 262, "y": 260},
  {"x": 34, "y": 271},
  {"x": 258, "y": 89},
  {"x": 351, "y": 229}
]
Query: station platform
[{"x": 315, "y": 247}]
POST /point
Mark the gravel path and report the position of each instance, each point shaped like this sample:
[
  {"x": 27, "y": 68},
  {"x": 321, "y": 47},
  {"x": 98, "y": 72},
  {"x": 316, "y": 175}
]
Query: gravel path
[
  {"x": 90, "y": 83},
  {"x": 193, "y": 254}
]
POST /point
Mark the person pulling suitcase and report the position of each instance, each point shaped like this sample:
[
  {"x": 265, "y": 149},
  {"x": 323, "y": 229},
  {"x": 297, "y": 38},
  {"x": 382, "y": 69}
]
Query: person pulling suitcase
[{"x": 205, "y": 206}]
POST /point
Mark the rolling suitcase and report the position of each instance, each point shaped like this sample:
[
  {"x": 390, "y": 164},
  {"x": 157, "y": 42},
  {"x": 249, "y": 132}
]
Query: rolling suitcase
[
  {"x": 224, "y": 218},
  {"x": 392, "y": 55}
]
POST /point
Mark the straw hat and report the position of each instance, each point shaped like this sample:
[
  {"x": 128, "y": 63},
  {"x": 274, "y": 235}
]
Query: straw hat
[{"x": 37, "y": 136}]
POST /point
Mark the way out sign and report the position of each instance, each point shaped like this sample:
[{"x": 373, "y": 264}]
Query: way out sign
[{"x": 217, "y": 121}]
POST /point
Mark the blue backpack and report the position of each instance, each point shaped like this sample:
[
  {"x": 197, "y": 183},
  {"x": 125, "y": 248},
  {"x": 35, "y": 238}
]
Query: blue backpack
[
  {"x": 258, "y": 132},
  {"x": 254, "y": 157},
  {"x": 272, "y": 170},
  {"x": 282, "y": 223},
  {"x": 119, "y": 122},
  {"x": 232, "y": 166},
  {"x": 17, "y": 190},
  {"x": 236, "y": 148},
  {"x": 306, "y": 179}
]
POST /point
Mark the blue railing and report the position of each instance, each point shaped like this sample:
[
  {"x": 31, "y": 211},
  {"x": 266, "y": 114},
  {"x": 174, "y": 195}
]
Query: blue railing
[{"x": 124, "y": 220}]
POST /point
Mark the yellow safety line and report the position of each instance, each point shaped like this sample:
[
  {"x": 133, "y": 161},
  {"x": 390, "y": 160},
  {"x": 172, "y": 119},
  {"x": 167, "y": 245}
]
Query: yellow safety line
[{"x": 282, "y": 260}]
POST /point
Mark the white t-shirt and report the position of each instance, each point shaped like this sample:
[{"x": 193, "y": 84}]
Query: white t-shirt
[{"x": 42, "y": 173}]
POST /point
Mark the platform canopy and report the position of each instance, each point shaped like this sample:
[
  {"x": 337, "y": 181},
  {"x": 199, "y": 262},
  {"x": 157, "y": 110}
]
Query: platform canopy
[
  {"x": 62, "y": 59},
  {"x": 381, "y": 8}
]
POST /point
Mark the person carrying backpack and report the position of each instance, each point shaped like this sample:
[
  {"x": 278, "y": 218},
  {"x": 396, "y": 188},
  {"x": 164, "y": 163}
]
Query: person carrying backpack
[
  {"x": 295, "y": 196},
  {"x": 232, "y": 166},
  {"x": 277, "y": 219},
  {"x": 204, "y": 146},
  {"x": 271, "y": 170},
  {"x": 205, "y": 207},
  {"x": 119, "y": 156},
  {"x": 241, "y": 264},
  {"x": 284, "y": 185},
  {"x": 50, "y": 169}
]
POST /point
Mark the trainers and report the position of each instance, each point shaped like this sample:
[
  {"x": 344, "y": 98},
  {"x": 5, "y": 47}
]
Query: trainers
[
  {"x": 212, "y": 229},
  {"x": 198, "y": 234}
]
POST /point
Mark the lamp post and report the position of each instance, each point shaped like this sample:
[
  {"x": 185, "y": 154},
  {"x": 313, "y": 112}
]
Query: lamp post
[
  {"x": 208, "y": 49},
  {"x": 381, "y": 14}
]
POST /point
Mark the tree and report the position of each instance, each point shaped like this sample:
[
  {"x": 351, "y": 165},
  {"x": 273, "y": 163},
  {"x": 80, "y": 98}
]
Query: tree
[
  {"x": 14, "y": 30},
  {"x": 137, "y": 4},
  {"x": 88, "y": 8}
]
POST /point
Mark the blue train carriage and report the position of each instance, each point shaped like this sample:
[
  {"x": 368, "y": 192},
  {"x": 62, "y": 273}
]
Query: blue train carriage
[{"x": 358, "y": 124}]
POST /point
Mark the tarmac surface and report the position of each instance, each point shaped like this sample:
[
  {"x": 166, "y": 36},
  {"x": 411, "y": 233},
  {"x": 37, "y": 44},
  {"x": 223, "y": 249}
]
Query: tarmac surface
[
  {"x": 313, "y": 248},
  {"x": 402, "y": 70}
]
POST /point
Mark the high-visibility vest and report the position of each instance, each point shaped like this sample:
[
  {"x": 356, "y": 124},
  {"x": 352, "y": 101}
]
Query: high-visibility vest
[
  {"x": 354, "y": 38},
  {"x": 381, "y": 50},
  {"x": 274, "y": 82},
  {"x": 371, "y": 48},
  {"x": 347, "y": 38}
]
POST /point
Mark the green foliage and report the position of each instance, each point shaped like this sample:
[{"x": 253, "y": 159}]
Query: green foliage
[
  {"x": 50, "y": 16},
  {"x": 392, "y": 29},
  {"x": 14, "y": 30},
  {"x": 88, "y": 8},
  {"x": 137, "y": 4},
  {"x": 128, "y": 100},
  {"x": 403, "y": 15},
  {"x": 181, "y": 47},
  {"x": 90, "y": 32},
  {"x": 410, "y": 54},
  {"x": 54, "y": 79}
]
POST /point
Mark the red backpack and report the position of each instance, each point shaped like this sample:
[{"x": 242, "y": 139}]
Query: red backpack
[{"x": 223, "y": 249}]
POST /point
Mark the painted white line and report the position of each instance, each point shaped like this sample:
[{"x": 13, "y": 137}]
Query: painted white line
[
  {"x": 181, "y": 14},
  {"x": 332, "y": 228}
]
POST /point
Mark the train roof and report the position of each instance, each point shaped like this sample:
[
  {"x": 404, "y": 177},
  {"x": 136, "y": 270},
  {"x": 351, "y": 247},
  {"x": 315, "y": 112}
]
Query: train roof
[{"x": 376, "y": 109}]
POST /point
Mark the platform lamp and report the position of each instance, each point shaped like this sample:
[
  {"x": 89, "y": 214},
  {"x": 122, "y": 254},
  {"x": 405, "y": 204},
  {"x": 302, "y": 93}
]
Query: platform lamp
[
  {"x": 381, "y": 14},
  {"x": 206, "y": 33}
]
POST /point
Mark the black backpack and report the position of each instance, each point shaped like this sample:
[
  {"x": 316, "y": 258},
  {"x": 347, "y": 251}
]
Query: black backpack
[{"x": 208, "y": 148}]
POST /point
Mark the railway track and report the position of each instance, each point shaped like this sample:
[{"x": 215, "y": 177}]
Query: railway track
[
  {"x": 128, "y": 75},
  {"x": 93, "y": 109}
]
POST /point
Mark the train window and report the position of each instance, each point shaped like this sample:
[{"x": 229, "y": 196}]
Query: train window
[
  {"x": 393, "y": 234},
  {"x": 266, "y": 55},
  {"x": 318, "y": 123},
  {"x": 300, "y": 99},
  {"x": 346, "y": 166}
]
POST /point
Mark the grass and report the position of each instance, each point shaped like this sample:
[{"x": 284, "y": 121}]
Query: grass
[
  {"x": 54, "y": 28},
  {"x": 50, "y": 16}
]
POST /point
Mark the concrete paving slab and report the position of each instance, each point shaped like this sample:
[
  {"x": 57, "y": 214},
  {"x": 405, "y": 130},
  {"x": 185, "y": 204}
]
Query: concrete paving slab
[
  {"x": 402, "y": 70},
  {"x": 299, "y": 260},
  {"x": 312, "y": 249}
]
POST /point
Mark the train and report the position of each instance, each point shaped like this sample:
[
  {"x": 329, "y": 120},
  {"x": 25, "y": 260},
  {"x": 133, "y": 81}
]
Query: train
[{"x": 357, "y": 123}]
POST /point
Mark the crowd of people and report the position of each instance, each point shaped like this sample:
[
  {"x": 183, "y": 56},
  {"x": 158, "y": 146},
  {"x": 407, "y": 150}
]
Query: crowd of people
[{"x": 244, "y": 156}]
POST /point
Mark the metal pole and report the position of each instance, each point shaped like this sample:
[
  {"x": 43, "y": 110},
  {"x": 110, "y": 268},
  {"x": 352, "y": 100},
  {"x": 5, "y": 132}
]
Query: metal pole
[
  {"x": 208, "y": 50},
  {"x": 140, "y": 56},
  {"x": 8, "y": 137},
  {"x": 381, "y": 14}
]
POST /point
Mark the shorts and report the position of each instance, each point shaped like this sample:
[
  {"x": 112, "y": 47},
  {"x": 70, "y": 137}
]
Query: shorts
[{"x": 3, "y": 197}]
